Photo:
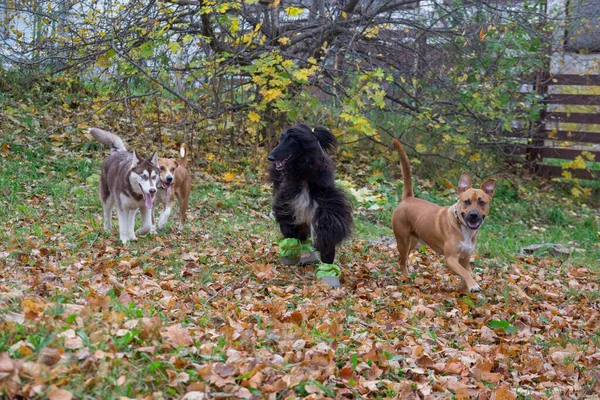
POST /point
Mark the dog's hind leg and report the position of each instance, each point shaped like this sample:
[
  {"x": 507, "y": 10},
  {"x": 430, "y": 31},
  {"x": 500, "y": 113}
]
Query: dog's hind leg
[
  {"x": 403, "y": 251},
  {"x": 108, "y": 204},
  {"x": 183, "y": 206},
  {"x": 332, "y": 223}
]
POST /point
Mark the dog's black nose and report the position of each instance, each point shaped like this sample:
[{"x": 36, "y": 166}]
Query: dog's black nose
[
  {"x": 473, "y": 215},
  {"x": 152, "y": 190},
  {"x": 270, "y": 157},
  {"x": 169, "y": 179}
]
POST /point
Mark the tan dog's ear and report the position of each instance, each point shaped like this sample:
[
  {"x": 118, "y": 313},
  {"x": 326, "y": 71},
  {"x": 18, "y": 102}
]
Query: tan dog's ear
[
  {"x": 464, "y": 183},
  {"x": 488, "y": 187},
  {"x": 176, "y": 164}
]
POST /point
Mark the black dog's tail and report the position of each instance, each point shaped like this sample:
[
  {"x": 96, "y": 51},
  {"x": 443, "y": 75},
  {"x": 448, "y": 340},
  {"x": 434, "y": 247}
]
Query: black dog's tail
[
  {"x": 407, "y": 189},
  {"x": 326, "y": 139},
  {"x": 108, "y": 139}
]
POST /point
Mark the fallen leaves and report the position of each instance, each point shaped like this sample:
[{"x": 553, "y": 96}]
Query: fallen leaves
[
  {"x": 176, "y": 335},
  {"x": 210, "y": 313}
]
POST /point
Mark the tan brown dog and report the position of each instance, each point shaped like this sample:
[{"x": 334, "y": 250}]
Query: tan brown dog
[
  {"x": 450, "y": 231},
  {"x": 174, "y": 181}
]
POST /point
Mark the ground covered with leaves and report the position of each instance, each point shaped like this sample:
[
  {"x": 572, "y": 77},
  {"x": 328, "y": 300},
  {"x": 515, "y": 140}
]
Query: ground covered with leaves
[{"x": 209, "y": 312}]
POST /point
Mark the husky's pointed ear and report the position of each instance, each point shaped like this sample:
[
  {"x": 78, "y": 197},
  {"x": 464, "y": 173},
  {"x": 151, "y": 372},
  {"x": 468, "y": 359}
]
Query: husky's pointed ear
[
  {"x": 326, "y": 139},
  {"x": 135, "y": 160},
  {"x": 154, "y": 159}
]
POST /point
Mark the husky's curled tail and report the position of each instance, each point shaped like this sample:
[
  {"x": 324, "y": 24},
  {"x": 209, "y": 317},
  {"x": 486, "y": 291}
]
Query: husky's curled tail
[{"x": 108, "y": 139}]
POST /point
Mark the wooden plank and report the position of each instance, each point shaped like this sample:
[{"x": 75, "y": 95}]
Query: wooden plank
[
  {"x": 565, "y": 154},
  {"x": 585, "y": 80},
  {"x": 571, "y": 136},
  {"x": 551, "y": 171},
  {"x": 576, "y": 99},
  {"x": 578, "y": 118}
]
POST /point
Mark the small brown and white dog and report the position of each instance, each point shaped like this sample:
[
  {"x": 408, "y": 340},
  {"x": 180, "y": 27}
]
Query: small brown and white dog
[
  {"x": 174, "y": 182},
  {"x": 451, "y": 231}
]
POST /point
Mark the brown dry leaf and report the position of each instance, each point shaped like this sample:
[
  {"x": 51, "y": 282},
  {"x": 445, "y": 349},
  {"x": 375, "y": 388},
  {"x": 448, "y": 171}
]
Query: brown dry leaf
[
  {"x": 74, "y": 343},
  {"x": 32, "y": 307},
  {"x": 263, "y": 271},
  {"x": 503, "y": 393},
  {"x": 151, "y": 327},
  {"x": 6, "y": 366},
  {"x": 223, "y": 370},
  {"x": 49, "y": 356},
  {"x": 176, "y": 336},
  {"x": 346, "y": 373},
  {"x": 482, "y": 372},
  {"x": 55, "y": 393}
]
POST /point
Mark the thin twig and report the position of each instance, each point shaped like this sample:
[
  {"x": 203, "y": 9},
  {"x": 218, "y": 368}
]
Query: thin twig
[{"x": 226, "y": 288}]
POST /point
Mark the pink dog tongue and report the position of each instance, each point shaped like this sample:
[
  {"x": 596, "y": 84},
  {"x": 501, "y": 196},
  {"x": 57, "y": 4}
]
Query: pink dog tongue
[{"x": 148, "y": 200}]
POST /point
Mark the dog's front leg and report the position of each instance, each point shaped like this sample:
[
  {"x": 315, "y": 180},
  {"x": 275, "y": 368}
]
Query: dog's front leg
[
  {"x": 164, "y": 216},
  {"x": 146, "y": 221},
  {"x": 131, "y": 224},
  {"x": 123, "y": 216},
  {"x": 455, "y": 266}
]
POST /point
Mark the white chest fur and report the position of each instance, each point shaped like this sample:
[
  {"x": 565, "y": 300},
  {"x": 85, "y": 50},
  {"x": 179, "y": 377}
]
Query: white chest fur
[
  {"x": 467, "y": 245},
  {"x": 303, "y": 208}
]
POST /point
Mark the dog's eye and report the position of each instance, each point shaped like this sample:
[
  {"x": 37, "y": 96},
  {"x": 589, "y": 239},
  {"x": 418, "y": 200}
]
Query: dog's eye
[
  {"x": 172, "y": 169},
  {"x": 481, "y": 203},
  {"x": 162, "y": 168},
  {"x": 145, "y": 177},
  {"x": 467, "y": 202}
]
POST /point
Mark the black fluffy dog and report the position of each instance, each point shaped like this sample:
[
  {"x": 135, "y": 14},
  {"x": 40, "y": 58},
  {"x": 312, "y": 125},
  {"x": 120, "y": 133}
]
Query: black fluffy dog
[{"x": 306, "y": 199}]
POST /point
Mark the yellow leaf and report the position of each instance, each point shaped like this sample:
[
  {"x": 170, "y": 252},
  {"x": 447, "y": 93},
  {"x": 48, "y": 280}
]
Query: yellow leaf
[
  {"x": 294, "y": 11},
  {"x": 254, "y": 117},
  {"x": 229, "y": 176},
  {"x": 302, "y": 74},
  {"x": 210, "y": 157},
  {"x": 284, "y": 40},
  {"x": 588, "y": 155},
  {"x": 270, "y": 94},
  {"x": 420, "y": 148},
  {"x": 475, "y": 157},
  {"x": 344, "y": 15}
]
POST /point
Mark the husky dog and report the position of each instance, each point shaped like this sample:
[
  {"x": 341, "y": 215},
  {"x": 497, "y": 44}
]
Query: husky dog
[{"x": 127, "y": 182}]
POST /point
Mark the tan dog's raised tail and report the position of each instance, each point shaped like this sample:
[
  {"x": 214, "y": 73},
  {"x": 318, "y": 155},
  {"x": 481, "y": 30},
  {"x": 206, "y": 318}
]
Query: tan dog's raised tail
[
  {"x": 174, "y": 182},
  {"x": 451, "y": 231}
]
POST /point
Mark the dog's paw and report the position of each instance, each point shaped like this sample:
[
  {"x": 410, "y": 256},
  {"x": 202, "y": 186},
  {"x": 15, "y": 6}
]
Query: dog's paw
[
  {"x": 475, "y": 289},
  {"x": 144, "y": 230}
]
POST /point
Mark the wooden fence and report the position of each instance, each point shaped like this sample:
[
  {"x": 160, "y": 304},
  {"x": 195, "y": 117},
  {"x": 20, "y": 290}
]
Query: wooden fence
[{"x": 565, "y": 134}]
